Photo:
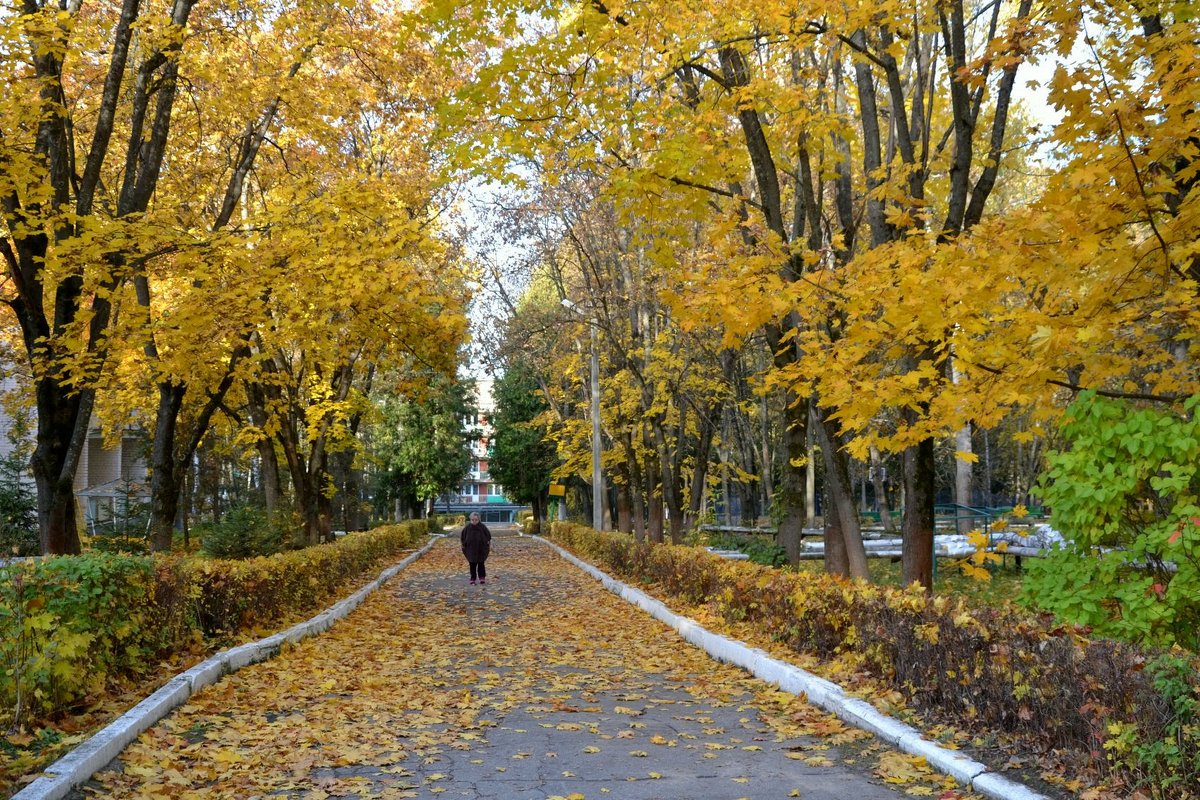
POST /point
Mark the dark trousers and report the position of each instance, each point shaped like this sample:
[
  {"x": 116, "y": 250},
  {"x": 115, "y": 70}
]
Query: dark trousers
[{"x": 478, "y": 570}]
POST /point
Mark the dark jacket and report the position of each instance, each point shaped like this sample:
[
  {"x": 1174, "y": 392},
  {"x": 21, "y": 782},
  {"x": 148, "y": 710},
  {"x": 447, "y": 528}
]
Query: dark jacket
[{"x": 476, "y": 542}]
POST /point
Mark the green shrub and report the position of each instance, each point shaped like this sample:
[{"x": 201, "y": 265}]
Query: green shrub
[
  {"x": 18, "y": 498},
  {"x": 1170, "y": 760},
  {"x": 18, "y": 522},
  {"x": 70, "y": 624},
  {"x": 967, "y": 666},
  {"x": 1126, "y": 497},
  {"x": 243, "y": 533}
]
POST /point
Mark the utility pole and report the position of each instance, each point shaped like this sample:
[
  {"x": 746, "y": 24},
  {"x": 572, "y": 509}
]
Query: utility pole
[{"x": 597, "y": 475}]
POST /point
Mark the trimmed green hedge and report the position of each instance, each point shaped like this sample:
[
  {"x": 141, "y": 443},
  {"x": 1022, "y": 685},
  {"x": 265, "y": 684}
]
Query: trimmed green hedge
[
  {"x": 70, "y": 624},
  {"x": 977, "y": 668}
]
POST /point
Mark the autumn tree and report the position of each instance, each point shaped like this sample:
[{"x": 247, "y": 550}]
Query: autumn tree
[
  {"x": 86, "y": 130},
  {"x": 799, "y": 140}
]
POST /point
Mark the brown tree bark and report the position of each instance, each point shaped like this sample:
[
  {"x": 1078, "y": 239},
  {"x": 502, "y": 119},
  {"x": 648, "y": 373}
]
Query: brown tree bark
[
  {"x": 654, "y": 527},
  {"x": 840, "y": 495},
  {"x": 919, "y": 487},
  {"x": 624, "y": 510},
  {"x": 836, "y": 561}
]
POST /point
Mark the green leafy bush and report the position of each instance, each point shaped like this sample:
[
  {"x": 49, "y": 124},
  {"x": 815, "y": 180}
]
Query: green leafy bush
[
  {"x": 1169, "y": 762},
  {"x": 243, "y": 533},
  {"x": 978, "y": 668},
  {"x": 70, "y": 624},
  {"x": 18, "y": 521},
  {"x": 1126, "y": 496}
]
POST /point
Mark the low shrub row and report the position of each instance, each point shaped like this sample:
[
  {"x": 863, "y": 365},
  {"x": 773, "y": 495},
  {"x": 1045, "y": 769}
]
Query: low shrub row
[
  {"x": 1136, "y": 710},
  {"x": 69, "y": 625}
]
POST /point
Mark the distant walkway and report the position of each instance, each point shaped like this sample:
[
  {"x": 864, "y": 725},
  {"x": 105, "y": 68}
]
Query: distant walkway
[{"x": 538, "y": 685}]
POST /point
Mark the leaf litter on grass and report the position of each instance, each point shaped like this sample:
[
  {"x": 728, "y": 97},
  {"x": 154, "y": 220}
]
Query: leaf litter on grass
[{"x": 427, "y": 672}]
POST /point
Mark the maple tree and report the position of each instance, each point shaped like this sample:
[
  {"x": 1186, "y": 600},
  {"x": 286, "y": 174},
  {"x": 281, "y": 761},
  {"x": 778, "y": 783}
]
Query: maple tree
[
  {"x": 745, "y": 121},
  {"x": 825, "y": 176},
  {"x": 660, "y": 404},
  {"x": 300, "y": 132},
  {"x": 68, "y": 215}
]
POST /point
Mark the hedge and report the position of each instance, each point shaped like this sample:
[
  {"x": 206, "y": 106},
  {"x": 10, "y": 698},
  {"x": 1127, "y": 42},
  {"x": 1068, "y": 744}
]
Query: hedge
[
  {"x": 1133, "y": 711},
  {"x": 71, "y": 624}
]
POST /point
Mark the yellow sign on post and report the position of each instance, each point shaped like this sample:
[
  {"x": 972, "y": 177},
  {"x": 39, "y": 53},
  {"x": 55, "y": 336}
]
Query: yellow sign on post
[{"x": 557, "y": 490}]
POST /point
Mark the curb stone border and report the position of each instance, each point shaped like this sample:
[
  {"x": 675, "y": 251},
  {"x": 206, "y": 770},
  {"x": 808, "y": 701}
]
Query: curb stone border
[
  {"x": 821, "y": 693},
  {"x": 106, "y": 744}
]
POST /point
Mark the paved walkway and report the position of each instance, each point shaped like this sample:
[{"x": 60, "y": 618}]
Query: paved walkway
[{"x": 538, "y": 685}]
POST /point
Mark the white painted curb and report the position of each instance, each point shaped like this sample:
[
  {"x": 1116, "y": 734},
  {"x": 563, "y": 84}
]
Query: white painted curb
[
  {"x": 90, "y": 757},
  {"x": 820, "y": 692}
]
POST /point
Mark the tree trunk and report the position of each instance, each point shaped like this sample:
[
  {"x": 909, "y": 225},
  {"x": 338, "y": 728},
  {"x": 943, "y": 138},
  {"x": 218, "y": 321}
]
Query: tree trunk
[
  {"x": 840, "y": 494},
  {"x": 637, "y": 495},
  {"x": 165, "y": 478},
  {"x": 57, "y": 519},
  {"x": 789, "y": 496},
  {"x": 836, "y": 562},
  {"x": 810, "y": 479},
  {"x": 269, "y": 460},
  {"x": 670, "y": 481},
  {"x": 170, "y": 458},
  {"x": 988, "y": 499},
  {"x": 55, "y": 459},
  {"x": 919, "y": 488},
  {"x": 540, "y": 510},
  {"x": 767, "y": 481},
  {"x": 624, "y": 512},
  {"x": 269, "y": 464},
  {"x": 655, "y": 522},
  {"x": 638, "y": 511},
  {"x": 700, "y": 472}
]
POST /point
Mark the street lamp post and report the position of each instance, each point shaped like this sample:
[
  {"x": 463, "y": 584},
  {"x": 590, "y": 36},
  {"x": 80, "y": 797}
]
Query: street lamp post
[{"x": 597, "y": 475}]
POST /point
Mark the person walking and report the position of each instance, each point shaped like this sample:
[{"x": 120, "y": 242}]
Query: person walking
[{"x": 476, "y": 544}]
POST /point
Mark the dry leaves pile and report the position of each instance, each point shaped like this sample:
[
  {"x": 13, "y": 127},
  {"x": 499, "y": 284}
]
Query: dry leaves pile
[{"x": 539, "y": 684}]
